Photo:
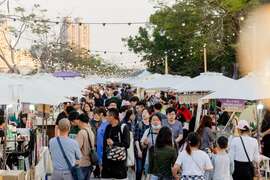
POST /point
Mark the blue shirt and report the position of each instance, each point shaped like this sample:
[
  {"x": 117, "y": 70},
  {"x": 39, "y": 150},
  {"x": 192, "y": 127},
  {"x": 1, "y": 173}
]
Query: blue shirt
[
  {"x": 100, "y": 139},
  {"x": 71, "y": 149},
  {"x": 176, "y": 128}
]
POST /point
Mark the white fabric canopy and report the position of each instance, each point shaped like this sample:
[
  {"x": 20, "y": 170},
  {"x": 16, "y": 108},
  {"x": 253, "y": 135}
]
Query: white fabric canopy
[
  {"x": 38, "y": 89},
  {"x": 159, "y": 81},
  {"x": 209, "y": 81},
  {"x": 251, "y": 87}
]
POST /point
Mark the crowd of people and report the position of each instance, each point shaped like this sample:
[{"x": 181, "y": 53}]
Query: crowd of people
[{"x": 112, "y": 134}]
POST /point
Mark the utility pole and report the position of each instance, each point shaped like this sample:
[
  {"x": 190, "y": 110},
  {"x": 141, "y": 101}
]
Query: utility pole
[
  {"x": 205, "y": 57},
  {"x": 166, "y": 65}
]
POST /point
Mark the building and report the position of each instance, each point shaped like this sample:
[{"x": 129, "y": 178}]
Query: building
[
  {"x": 75, "y": 34},
  {"x": 22, "y": 58}
]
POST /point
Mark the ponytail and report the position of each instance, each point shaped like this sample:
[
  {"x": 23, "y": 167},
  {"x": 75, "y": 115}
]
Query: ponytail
[
  {"x": 193, "y": 140},
  {"x": 188, "y": 149}
]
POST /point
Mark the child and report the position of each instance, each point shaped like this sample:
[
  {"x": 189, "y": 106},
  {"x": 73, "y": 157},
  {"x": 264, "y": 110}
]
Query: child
[{"x": 221, "y": 161}]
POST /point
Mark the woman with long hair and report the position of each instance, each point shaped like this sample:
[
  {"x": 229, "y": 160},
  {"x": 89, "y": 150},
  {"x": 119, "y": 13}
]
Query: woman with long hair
[
  {"x": 205, "y": 132},
  {"x": 129, "y": 120},
  {"x": 193, "y": 162},
  {"x": 87, "y": 109},
  {"x": 140, "y": 152},
  {"x": 163, "y": 156}
]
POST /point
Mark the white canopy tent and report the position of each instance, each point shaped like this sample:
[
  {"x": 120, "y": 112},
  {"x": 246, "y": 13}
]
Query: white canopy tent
[
  {"x": 205, "y": 82},
  {"x": 38, "y": 89},
  {"x": 159, "y": 81},
  {"x": 251, "y": 87}
]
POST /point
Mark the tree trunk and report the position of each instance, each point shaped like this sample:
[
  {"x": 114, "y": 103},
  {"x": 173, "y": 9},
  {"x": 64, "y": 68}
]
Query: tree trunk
[
  {"x": 8, "y": 65},
  {"x": 12, "y": 53}
]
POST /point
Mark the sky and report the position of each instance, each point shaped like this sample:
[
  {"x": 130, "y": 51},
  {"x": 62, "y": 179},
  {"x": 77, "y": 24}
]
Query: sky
[{"x": 106, "y": 38}]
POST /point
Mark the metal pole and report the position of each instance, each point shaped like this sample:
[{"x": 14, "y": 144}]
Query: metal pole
[
  {"x": 43, "y": 128},
  {"x": 5, "y": 140},
  {"x": 166, "y": 65},
  {"x": 205, "y": 57}
]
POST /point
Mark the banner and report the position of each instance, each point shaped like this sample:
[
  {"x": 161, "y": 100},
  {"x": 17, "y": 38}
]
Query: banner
[{"x": 232, "y": 105}]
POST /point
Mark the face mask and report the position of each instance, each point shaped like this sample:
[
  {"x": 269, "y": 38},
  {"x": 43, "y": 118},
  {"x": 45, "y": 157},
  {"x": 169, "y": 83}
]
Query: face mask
[{"x": 156, "y": 127}]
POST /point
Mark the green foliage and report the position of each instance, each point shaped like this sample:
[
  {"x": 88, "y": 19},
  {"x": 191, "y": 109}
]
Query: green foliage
[
  {"x": 180, "y": 32},
  {"x": 54, "y": 56}
]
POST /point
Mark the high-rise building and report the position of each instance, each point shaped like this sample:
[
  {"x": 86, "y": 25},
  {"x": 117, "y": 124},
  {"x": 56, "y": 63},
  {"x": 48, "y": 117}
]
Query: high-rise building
[
  {"x": 75, "y": 33},
  {"x": 23, "y": 59}
]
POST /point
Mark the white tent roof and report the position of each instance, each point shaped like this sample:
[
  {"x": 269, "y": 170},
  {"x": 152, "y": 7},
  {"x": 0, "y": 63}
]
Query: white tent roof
[
  {"x": 38, "y": 89},
  {"x": 209, "y": 81},
  {"x": 159, "y": 81},
  {"x": 251, "y": 87}
]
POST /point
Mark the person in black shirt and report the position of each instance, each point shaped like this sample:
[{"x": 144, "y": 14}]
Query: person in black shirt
[
  {"x": 98, "y": 100},
  {"x": 265, "y": 130},
  {"x": 114, "y": 136},
  {"x": 23, "y": 119},
  {"x": 62, "y": 115}
]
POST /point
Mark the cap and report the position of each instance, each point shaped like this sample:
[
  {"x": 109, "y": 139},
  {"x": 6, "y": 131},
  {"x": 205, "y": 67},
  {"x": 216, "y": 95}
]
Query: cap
[{"x": 243, "y": 125}]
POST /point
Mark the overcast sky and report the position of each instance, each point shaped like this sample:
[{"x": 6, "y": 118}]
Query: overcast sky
[{"x": 102, "y": 38}]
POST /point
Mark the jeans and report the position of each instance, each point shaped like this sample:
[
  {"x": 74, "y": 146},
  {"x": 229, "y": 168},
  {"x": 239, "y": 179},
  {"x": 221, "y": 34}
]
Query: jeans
[
  {"x": 139, "y": 168},
  {"x": 61, "y": 175},
  {"x": 87, "y": 171},
  {"x": 113, "y": 179}
]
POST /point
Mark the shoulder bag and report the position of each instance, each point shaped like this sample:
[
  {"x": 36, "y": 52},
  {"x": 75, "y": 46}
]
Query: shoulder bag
[
  {"x": 252, "y": 168},
  {"x": 92, "y": 153},
  {"x": 75, "y": 170},
  {"x": 116, "y": 153}
]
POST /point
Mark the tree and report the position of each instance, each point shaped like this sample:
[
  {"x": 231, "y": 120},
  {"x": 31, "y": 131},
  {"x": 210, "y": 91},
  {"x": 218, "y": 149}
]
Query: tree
[
  {"x": 55, "y": 56},
  {"x": 180, "y": 32},
  {"x": 12, "y": 34}
]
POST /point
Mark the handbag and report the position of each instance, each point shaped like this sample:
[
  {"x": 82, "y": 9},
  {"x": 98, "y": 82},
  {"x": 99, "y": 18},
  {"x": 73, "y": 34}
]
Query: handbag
[
  {"x": 76, "y": 171},
  {"x": 116, "y": 153},
  {"x": 130, "y": 151},
  {"x": 92, "y": 153},
  {"x": 253, "y": 170},
  {"x": 152, "y": 153}
]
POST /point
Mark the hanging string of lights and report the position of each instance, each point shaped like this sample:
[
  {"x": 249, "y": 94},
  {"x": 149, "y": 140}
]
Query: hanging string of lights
[
  {"x": 36, "y": 20},
  {"x": 89, "y": 51}
]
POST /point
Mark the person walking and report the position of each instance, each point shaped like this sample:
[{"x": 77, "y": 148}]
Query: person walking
[
  {"x": 61, "y": 169},
  {"x": 163, "y": 156},
  {"x": 174, "y": 125},
  {"x": 140, "y": 152},
  {"x": 192, "y": 161},
  {"x": 244, "y": 151},
  {"x": 86, "y": 140},
  {"x": 205, "y": 132},
  {"x": 116, "y": 143},
  {"x": 101, "y": 114},
  {"x": 149, "y": 138},
  {"x": 223, "y": 167},
  {"x": 265, "y": 133}
]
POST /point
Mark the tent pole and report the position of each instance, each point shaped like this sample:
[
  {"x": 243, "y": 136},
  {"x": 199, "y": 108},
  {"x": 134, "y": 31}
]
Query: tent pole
[
  {"x": 5, "y": 140},
  {"x": 205, "y": 57},
  {"x": 43, "y": 124}
]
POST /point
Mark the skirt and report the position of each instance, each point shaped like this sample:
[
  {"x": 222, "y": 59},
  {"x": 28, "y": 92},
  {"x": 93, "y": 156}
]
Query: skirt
[{"x": 243, "y": 171}]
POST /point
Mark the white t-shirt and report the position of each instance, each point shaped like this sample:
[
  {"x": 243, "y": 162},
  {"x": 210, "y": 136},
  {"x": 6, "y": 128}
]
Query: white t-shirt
[
  {"x": 194, "y": 164},
  {"x": 222, "y": 167},
  {"x": 151, "y": 138},
  {"x": 237, "y": 151}
]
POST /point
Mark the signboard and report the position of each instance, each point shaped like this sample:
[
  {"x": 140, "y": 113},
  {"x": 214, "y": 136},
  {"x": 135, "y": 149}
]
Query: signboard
[{"x": 232, "y": 105}]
